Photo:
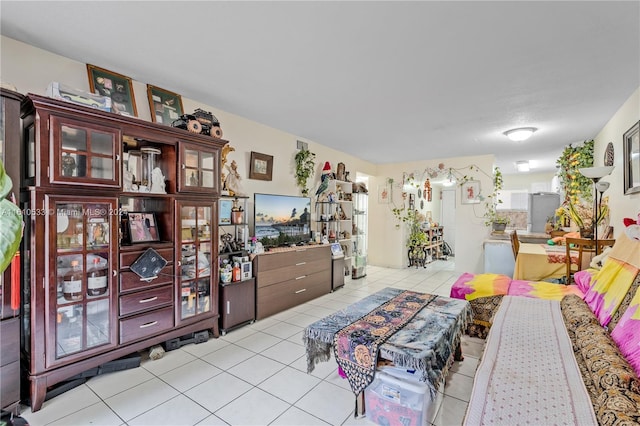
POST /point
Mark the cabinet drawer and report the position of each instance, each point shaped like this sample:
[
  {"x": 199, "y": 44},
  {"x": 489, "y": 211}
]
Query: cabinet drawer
[
  {"x": 128, "y": 257},
  {"x": 278, "y": 297},
  {"x": 267, "y": 262},
  {"x": 144, "y": 325},
  {"x": 10, "y": 386},
  {"x": 291, "y": 272},
  {"x": 10, "y": 341},
  {"x": 145, "y": 300},
  {"x": 132, "y": 281}
]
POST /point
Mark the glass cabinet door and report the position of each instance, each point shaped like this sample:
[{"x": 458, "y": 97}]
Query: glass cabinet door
[
  {"x": 199, "y": 169},
  {"x": 85, "y": 153},
  {"x": 196, "y": 236},
  {"x": 83, "y": 294}
]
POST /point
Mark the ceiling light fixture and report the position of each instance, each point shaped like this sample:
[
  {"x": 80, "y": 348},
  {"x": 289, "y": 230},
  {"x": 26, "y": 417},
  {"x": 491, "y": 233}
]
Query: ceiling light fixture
[
  {"x": 522, "y": 166},
  {"x": 520, "y": 134}
]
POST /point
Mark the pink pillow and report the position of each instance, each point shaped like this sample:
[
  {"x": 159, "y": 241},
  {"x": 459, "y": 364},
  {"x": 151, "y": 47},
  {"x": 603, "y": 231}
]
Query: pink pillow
[
  {"x": 626, "y": 334},
  {"x": 469, "y": 286}
]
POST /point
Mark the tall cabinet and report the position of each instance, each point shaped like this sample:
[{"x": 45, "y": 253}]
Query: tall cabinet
[
  {"x": 9, "y": 280},
  {"x": 360, "y": 207},
  {"x": 101, "y": 190}
]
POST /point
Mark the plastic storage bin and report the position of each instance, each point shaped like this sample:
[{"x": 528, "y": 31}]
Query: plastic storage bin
[{"x": 397, "y": 397}]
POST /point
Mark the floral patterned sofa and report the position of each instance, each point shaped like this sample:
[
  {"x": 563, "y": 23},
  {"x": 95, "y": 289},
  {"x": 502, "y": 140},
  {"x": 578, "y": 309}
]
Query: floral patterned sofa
[{"x": 601, "y": 314}]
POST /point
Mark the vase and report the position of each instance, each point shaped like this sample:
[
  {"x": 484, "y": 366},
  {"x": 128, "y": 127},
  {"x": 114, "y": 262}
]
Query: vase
[
  {"x": 499, "y": 227},
  {"x": 586, "y": 233}
]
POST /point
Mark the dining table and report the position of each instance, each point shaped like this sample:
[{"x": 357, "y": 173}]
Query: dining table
[{"x": 539, "y": 262}]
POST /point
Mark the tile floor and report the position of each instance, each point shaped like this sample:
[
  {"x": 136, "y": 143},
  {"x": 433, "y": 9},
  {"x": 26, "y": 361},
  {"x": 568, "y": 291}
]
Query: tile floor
[{"x": 255, "y": 375}]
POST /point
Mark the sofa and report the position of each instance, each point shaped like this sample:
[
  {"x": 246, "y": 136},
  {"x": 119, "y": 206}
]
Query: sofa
[{"x": 601, "y": 316}]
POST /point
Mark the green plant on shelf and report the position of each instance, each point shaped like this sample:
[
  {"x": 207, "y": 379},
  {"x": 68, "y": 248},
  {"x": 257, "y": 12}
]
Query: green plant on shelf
[{"x": 10, "y": 222}]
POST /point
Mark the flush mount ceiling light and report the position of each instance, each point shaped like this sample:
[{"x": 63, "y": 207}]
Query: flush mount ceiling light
[
  {"x": 520, "y": 134},
  {"x": 522, "y": 166}
]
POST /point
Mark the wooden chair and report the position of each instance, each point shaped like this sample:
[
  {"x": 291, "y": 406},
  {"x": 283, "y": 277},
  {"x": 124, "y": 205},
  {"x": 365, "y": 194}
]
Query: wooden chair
[
  {"x": 515, "y": 243},
  {"x": 586, "y": 249}
]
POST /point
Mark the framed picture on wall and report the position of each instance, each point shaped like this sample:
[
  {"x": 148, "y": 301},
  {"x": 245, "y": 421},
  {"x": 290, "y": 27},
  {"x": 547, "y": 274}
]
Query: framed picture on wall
[
  {"x": 470, "y": 192},
  {"x": 261, "y": 166},
  {"x": 631, "y": 140},
  {"x": 116, "y": 86},
  {"x": 165, "y": 106}
]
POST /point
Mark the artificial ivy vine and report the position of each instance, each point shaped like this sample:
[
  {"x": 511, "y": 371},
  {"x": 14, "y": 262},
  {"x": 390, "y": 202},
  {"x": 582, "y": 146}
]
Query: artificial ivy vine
[{"x": 574, "y": 185}]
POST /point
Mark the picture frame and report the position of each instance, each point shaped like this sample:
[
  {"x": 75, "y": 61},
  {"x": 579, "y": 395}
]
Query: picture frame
[
  {"x": 384, "y": 194},
  {"x": 224, "y": 215},
  {"x": 143, "y": 227},
  {"x": 261, "y": 166},
  {"x": 336, "y": 250},
  {"x": 116, "y": 86},
  {"x": 631, "y": 145},
  {"x": 165, "y": 106},
  {"x": 470, "y": 192}
]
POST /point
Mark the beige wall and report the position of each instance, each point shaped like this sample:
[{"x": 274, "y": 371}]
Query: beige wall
[{"x": 621, "y": 205}]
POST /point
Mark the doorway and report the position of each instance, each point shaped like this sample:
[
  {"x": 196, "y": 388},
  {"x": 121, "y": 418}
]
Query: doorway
[{"x": 448, "y": 216}]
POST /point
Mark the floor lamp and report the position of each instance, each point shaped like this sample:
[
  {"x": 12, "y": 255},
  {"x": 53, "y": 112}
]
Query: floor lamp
[{"x": 595, "y": 174}]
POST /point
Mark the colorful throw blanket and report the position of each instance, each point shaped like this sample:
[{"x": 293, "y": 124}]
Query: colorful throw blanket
[
  {"x": 626, "y": 334},
  {"x": 470, "y": 287},
  {"x": 609, "y": 287},
  {"x": 356, "y": 345},
  {"x": 528, "y": 374},
  {"x": 425, "y": 344}
]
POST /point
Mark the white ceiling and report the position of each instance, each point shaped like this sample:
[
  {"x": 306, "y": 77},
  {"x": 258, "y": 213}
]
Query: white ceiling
[{"x": 385, "y": 81}]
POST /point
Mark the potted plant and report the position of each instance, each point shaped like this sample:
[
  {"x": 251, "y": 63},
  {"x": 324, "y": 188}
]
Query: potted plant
[
  {"x": 10, "y": 222},
  {"x": 305, "y": 167},
  {"x": 492, "y": 218}
]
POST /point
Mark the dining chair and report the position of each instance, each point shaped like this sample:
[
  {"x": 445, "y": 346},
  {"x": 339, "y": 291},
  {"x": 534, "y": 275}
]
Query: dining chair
[
  {"x": 586, "y": 249},
  {"x": 515, "y": 243}
]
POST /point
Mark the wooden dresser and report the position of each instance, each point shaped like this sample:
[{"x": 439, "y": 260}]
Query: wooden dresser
[{"x": 289, "y": 277}]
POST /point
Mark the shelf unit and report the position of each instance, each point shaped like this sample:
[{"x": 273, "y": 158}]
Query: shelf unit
[
  {"x": 427, "y": 253},
  {"x": 233, "y": 223},
  {"x": 359, "y": 234},
  {"x": 334, "y": 218},
  {"x": 97, "y": 207}
]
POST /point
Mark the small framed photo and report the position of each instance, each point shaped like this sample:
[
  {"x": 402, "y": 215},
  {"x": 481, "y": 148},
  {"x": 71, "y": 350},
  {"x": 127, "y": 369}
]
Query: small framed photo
[
  {"x": 143, "y": 227},
  {"x": 224, "y": 216},
  {"x": 336, "y": 250},
  {"x": 116, "y": 86},
  {"x": 471, "y": 192},
  {"x": 166, "y": 106},
  {"x": 261, "y": 166}
]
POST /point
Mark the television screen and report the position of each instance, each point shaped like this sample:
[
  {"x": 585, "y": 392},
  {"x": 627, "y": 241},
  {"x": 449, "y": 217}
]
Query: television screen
[{"x": 282, "y": 219}]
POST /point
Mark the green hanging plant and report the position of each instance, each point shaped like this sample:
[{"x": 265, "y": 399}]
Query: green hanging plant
[
  {"x": 305, "y": 167},
  {"x": 10, "y": 222},
  {"x": 575, "y": 186},
  {"x": 491, "y": 215}
]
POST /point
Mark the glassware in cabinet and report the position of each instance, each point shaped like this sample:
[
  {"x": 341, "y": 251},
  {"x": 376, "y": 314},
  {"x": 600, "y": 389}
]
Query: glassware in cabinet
[
  {"x": 84, "y": 293},
  {"x": 196, "y": 233}
]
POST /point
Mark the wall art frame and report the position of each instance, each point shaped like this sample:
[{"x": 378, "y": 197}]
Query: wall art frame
[
  {"x": 116, "y": 86},
  {"x": 165, "y": 106},
  {"x": 631, "y": 145},
  {"x": 260, "y": 166},
  {"x": 470, "y": 192}
]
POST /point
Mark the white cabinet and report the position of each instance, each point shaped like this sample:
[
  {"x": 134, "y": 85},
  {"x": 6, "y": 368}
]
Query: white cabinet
[{"x": 359, "y": 234}]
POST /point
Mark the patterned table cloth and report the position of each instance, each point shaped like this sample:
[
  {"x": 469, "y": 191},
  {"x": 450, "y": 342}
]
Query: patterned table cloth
[{"x": 426, "y": 344}]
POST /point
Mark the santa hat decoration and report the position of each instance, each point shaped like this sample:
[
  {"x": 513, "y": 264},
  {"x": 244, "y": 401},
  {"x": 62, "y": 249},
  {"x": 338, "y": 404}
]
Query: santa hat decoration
[
  {"x": 326, "y": 170},
  {"x": 632, "y": 227}
]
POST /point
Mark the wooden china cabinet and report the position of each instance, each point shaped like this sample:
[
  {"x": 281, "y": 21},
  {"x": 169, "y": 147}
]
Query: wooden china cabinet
[{"x": 87, "y": 188}]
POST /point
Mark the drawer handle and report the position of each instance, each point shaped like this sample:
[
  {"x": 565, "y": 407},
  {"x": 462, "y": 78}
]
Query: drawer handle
[
  {"x": 149, "y": 324},
  {"x": 148, "y": 299},
  {"x": 301, "y": 263},
  {"x": 302, "y": 290},
  {"x": 299, "y": 278},
  {"x": 148, "y": 280},
  {"x": 228, "y": 307}
]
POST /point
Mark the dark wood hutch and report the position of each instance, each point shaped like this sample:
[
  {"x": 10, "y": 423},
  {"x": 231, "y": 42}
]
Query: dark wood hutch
[{"x": 77, "y": 164}]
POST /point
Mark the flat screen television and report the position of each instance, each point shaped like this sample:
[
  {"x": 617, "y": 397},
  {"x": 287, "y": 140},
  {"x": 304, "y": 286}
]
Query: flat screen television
[{"x": 281, "y": 220}]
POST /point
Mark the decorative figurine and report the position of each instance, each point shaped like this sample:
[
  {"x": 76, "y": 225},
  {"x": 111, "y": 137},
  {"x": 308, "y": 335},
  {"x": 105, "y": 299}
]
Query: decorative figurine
[
  {"x": 157, "y": 182},
  {"x": 233, "y": 180},
  {"x": 68, "y": 164}
]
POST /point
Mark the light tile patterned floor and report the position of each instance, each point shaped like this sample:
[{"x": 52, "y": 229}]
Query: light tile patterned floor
[{"x": 255, "y": 375}]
